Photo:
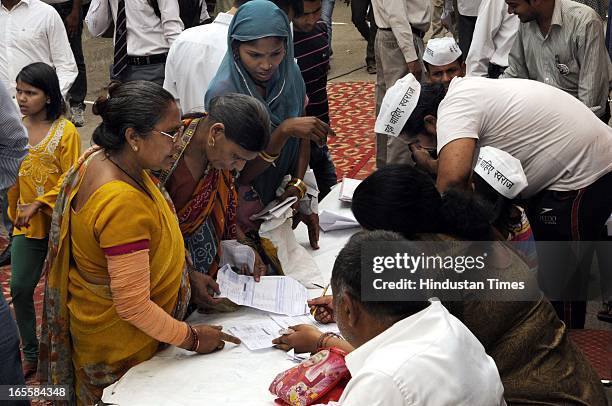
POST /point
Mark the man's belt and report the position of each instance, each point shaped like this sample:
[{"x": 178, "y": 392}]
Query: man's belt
[
  {"x": 416, "y": 32},
  {"x": 146, "y": 60}
]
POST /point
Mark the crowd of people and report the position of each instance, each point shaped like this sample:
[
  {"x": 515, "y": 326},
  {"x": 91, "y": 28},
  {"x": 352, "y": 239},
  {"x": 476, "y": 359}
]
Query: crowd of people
[{"x": 207, "y": 121}]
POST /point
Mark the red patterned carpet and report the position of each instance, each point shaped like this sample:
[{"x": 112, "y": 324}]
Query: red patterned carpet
[{"x": 352, "y": 116}]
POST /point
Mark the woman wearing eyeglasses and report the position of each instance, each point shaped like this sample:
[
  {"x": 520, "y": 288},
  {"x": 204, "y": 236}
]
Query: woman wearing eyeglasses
[{"x": 117, "y": 284}]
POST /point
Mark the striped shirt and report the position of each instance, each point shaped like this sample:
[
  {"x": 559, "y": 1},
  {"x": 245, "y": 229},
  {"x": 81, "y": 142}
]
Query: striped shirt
[
  {"x": 13, "y": 140},
  {"x": 312, "y": 54},
  {"x": 571, "y": 57}
]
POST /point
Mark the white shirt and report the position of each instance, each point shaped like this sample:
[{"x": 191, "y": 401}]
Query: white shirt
[
  {"x": 561, "y": 144},
  {"x": 400, "y": 16},
  {"x": 493, "y": 37},
  {"x": 468, "y": 7},
  {"x": 427, "y": 359},
  {"x": 33, "y": 31},
  {"x": 147, "y": 34},
  {"x": 193, "y": 61}
]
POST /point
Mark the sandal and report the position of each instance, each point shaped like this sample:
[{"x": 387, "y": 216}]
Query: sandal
[{"x": 605, "y": 314}]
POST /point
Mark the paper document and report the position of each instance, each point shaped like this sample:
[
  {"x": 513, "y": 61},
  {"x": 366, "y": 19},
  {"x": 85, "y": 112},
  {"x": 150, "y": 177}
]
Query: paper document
[
  {"x": 275, "y": 209},
  {"x": 288, "y": 321},
  {"x": 347, "y": 188},
  {"x": 297, "y": 358},
  {"x": 277, "y": 294},
  {"x": 236, "y": 254},
  {"x": 329, "y": 221},
  {"x": 256, "y": 335}
]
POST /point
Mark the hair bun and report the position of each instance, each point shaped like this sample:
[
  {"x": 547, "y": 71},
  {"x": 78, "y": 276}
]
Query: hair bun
[{"x": 100, "y": 106}]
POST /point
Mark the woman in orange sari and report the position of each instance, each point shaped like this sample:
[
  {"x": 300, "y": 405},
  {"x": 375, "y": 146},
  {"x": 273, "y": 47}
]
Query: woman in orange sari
[
  {"x": 213, "y": 149},
  {"x": 117, "y": 286}
]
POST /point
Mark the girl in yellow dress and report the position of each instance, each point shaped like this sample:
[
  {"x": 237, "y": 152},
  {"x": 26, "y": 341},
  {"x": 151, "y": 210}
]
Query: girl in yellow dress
[{"x": 54, "y": 146}]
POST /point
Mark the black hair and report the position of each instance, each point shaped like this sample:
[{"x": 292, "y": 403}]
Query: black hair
[
  {"x": 43, "y": 77},
  {"x": 429, "y": 99},
  {"x": 404, "y": 199},
  {"x": 346, "y": 276},
  {"x": 138, "y": 104},
  {"x": 246, "y": 120},
  {"x": 296, "y": 5},
  {"x": 501, "y": 207}
]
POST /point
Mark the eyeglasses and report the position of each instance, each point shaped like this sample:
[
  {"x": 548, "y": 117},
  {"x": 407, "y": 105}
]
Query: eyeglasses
[{"x": 174, "y": 136}]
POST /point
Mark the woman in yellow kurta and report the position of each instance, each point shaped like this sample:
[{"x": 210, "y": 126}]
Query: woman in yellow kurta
[
  {"x": 54, "y": 146},
  {"x": 117, "y": 286}
]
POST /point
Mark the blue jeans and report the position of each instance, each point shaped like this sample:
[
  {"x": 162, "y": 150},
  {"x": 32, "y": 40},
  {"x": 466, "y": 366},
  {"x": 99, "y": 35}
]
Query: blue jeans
[
  {"x": 11, "y": 372},
  {"x": 327, "y": 9}
]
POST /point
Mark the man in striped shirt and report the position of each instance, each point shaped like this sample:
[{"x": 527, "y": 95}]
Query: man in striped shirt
[
  {"x": 311, "y": 47},
  {"x": 562, "y": 43},
  {"x": 13, "y": 148}
]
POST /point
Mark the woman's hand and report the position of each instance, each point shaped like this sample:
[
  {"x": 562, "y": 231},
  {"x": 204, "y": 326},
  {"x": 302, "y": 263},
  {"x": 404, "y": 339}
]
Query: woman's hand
[
  {"x": 323, "y": 308},
  {"x": 260, "y": 268},
  {"x": 212, "y": 338},
  {"x": 203, "y": 287},
  {"x": 25, "y": 213},
  {"x": 312, "y": 223},
  {"x": 309, "y": 128},
  {"x": 290, "y": 192},
  {"x": 303, "y": 339}
]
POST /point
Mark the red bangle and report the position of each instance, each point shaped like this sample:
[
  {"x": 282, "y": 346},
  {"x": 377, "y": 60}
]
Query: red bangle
[{"x": 196, "y": 340}]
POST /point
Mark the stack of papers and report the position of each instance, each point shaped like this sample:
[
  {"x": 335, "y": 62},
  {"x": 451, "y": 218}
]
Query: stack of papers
[
  {"x": 329, "y": 221},
  {"x": 347, "y": 188},
  {"x": 275, "y": 209},
  {"x": 276, "y": 294}
]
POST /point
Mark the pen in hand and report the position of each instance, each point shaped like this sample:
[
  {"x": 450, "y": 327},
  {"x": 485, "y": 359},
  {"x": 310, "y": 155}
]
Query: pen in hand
[{"x": 315, "y": 308}]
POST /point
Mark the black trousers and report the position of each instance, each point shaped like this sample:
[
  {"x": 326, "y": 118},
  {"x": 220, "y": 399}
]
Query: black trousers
[
  {"x": 78, "y": 91},
  {"x": 361, "y": 13},
  {"x": 465, "y": 29},
  {"x": 323, "y": 167},
  {"x": 578, "y": 215}
]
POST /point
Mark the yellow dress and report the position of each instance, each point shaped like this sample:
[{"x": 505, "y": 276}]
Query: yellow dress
[
  {"x": 40, "y": 173},
  {"x": 104, "y": 346}
]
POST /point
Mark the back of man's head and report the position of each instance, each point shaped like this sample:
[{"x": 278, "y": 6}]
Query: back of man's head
[
  {"x": 430, "y": 98},
  {"x": 346, "y": 276}
]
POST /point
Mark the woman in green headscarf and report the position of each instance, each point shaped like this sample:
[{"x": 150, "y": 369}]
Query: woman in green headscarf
[{"x": 260, "y": 63}]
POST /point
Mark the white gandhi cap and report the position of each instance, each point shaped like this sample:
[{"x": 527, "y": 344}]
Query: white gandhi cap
[
  {"x": 441, "y": 51},
  {"x": 502, "y": 171}
]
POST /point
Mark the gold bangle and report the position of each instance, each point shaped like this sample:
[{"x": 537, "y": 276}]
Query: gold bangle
[
  {"x": 299, "y": 185},
  {"x": 268, "y": 157}
]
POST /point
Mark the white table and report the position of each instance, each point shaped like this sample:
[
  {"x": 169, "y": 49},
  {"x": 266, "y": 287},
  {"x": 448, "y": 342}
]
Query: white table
[{"x": 234, "y": 376}]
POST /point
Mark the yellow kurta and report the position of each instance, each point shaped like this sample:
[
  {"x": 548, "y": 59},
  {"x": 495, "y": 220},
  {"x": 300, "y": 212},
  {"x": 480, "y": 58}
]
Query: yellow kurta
[
  {"x": 104, "y": 346},
  {"x": 40, "y": 173}
]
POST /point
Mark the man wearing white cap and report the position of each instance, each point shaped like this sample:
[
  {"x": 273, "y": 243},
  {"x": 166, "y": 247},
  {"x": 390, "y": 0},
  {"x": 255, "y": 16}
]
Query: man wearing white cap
[
  {"x": 443, "y": 60},
  {"x": 565, "y": 150}
]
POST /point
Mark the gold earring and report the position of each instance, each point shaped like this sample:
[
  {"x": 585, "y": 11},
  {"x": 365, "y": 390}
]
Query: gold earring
[
  {"x": 211, "y": 142},
  {"x": 135, "y": 148}
]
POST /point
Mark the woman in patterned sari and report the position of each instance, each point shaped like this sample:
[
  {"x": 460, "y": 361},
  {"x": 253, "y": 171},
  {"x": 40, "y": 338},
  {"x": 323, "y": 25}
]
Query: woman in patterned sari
[
  {"x": 117, "y": 287},
  {"x": 213, "y": 148}
]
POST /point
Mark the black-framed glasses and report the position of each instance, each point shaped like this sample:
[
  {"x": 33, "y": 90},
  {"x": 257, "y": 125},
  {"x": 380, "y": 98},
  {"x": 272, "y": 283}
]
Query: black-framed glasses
[{"x": 173, "y": 136}]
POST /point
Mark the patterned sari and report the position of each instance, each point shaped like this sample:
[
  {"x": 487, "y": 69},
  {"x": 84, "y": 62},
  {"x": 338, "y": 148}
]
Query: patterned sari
[
  {"x": 210, "y": 214},
  {"x": 60, "y": 341}
]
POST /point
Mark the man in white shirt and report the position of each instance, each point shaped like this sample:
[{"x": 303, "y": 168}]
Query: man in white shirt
[
  {"x": 32, "y": 31},
  {"x": 194, "y": 58},
  {"x": 565, "y": 150},
  {"x": 399, "y": 50},
  {"x": 406, "y": 353},
  {"x": 142, "y": 39},
  {"x": 492, "y": 41}
]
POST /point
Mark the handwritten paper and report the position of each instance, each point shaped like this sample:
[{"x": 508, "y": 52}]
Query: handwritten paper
[
  {"x": 288, "y": 321},
  {"x": 256, "y": 335}
]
